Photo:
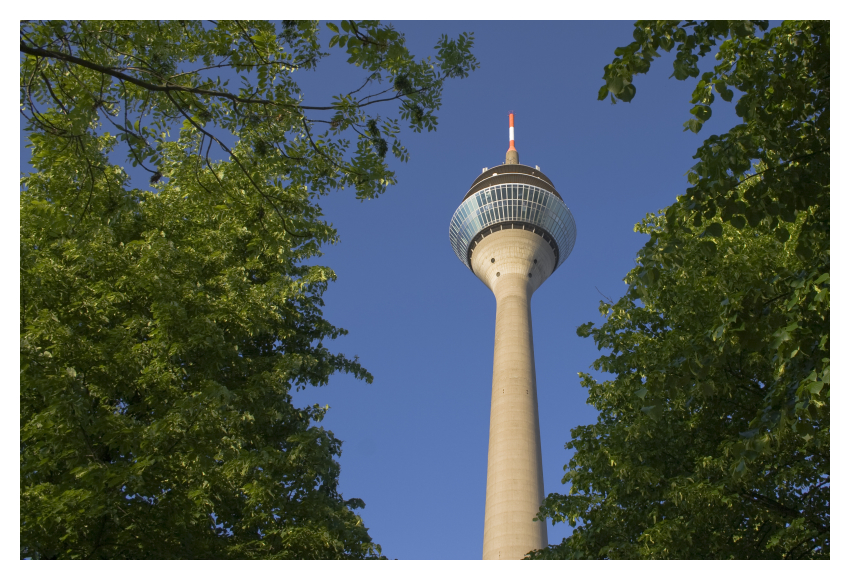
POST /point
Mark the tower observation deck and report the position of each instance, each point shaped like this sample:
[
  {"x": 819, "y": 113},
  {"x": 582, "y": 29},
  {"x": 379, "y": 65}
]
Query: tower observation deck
[{"x": 513, "y": 230}]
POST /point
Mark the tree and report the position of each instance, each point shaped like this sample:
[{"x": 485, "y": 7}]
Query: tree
[
  {"x": 164, "y": 328},
  {"x": 766, "y": 171},
  {"x": 678, "y": 465},
  {"x": 713, "y": 437}
]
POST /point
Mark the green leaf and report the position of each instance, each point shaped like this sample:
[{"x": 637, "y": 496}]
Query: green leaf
[
  {"x": 803, "y": 251},
  {"x": 724, "y": 92},
  {"x": 701, "y": 112},
  {"x": 332, "y": 26},
  {"x": 603, "y": 92},
  {"x": 693, "y": 125},
  {"x": 615, "y": 85},
  {"x": 782, "y": 235},
  {"x": 754, "y": 216},
  {"x": 654, "y": 412},
  {"x": 714, "y": 230},
  {"x": 815, "y": 387},
  {"x": 738, "y": 222},
  {"x": 708, "y": 248}
]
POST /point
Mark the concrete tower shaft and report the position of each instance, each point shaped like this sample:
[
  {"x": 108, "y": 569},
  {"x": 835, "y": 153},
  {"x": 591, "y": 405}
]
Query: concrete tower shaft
[{"x": 513, "y": 263}]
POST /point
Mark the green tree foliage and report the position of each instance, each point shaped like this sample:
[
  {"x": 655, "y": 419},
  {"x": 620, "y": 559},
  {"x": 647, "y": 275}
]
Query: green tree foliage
[
  {"x": 680, "y": 464},
  {"x": 713, "y": 437},
  {"x": 163, "y": 329}
]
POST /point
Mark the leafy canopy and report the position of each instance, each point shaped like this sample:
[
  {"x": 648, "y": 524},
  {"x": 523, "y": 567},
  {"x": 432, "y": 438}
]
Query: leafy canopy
[
  {"x": 680, "y": 464},
  {"x": 713, "y": 437},
  {"x": 164, "y": 328},
  {"x": 782, "y": 76}
]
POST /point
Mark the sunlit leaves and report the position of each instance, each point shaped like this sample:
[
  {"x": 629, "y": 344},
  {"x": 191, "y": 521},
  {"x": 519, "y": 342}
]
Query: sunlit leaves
[
  {"x": 782, "y": 74},
  {"x": 159, "y": 348},
  {"x": 268, "y": 107},
  {"x": 705, "y": 447}
]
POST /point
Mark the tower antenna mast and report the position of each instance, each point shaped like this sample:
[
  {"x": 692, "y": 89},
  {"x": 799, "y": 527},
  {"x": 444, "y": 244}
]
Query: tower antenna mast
[{"x": 512, "y": 156}]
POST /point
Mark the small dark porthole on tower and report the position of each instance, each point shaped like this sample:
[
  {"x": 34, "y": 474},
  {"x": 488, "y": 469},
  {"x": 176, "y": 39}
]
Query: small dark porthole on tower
[
  {"x": 492, "y": 260},
  {"x": 535, "y": 260},
  {"x": 529, "y": 274},
  {"x": 498, "y": 274}
]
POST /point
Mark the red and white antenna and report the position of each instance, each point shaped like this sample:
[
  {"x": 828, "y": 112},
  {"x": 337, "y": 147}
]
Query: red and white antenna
[{"x": 512, "y": 156}]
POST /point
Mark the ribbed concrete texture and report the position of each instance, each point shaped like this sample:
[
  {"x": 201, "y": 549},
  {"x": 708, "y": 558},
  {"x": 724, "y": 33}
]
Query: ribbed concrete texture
[{"x": 513, "y": 263}]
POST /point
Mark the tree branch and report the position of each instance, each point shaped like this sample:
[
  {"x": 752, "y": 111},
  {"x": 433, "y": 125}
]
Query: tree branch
[
  {"x": 783, "y": 509},
  {"x": 166, "y": 88}
]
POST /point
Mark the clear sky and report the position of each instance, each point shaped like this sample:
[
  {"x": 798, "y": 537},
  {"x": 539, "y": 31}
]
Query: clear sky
[{"x": 415, "y": 441}]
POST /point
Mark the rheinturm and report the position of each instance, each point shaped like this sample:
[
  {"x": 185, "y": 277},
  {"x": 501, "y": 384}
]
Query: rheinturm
[{"x": 513, "y": 230}]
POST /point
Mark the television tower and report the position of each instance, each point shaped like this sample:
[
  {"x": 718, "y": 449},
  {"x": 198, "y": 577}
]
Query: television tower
[{"x": 513, "y": 230}]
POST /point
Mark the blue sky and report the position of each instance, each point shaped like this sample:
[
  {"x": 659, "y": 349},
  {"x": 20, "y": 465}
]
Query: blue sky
[{"x": 415, "y": 441}]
